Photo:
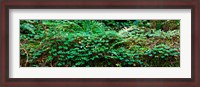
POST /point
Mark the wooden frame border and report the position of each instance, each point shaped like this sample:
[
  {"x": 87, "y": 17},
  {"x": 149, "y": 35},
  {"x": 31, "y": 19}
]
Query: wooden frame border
[{"x": 122, "y": 82}]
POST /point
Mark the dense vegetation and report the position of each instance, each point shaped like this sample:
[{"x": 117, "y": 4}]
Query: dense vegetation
[{"x": 100, "y": 43}]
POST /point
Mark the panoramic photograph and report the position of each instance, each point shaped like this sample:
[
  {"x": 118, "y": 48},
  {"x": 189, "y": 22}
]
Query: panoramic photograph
[{"x": 99, "y": 43}]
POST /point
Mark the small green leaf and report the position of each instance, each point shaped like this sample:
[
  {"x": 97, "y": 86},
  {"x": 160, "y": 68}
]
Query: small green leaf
[
  {"x": 126, "y": 60},
  {"x": 60, "y": 47},
  {"x": 162, "y": 56},
  {"x": 150, "y": 55},
  {"x": 55, "y": 54}
]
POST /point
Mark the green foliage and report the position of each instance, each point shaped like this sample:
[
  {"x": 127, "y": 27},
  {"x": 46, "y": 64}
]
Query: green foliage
[
  {"x": 98, "y": 43},
  {"x": 118, "y": 24},
  {"x": 164, "y": 54}
]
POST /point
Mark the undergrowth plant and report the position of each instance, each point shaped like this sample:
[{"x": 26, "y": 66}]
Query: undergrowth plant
[{"x": 99, "y": 43}]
